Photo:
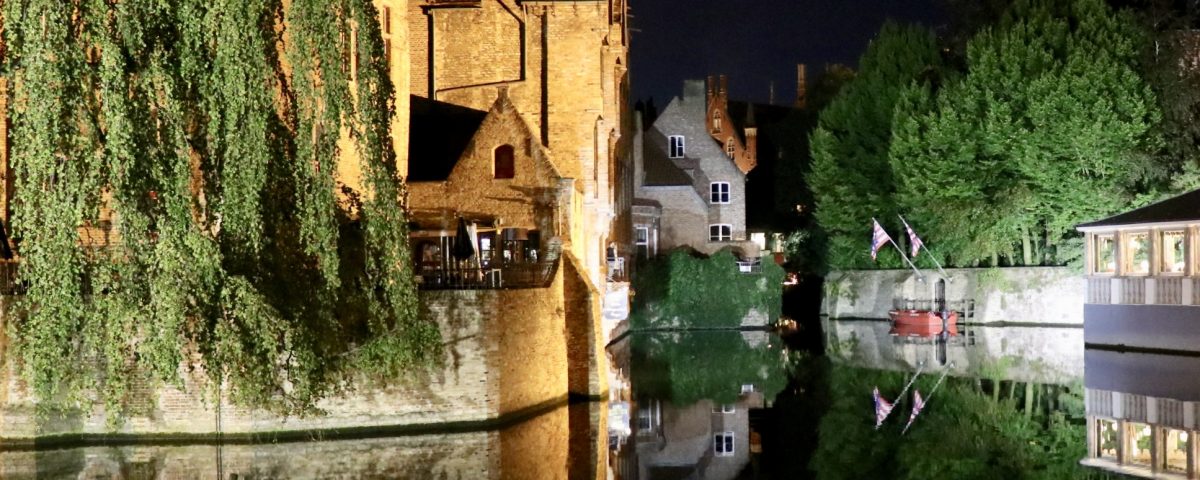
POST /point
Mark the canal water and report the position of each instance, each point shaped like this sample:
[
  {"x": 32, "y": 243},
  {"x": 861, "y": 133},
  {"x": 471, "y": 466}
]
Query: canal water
[{"x": 998, "y": 402}]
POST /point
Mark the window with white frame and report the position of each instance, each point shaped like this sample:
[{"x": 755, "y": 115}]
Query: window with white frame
[
  {"x": 720, "y": 232},
  {"x": 1105, "y": 260},
  {"x": 1172, "y": 251},
  {"x": 723, "y": 408},
  {"x": 723, "y": 444},
  {"x": 729, "y": 147},
  {"x": 675, "y": 146},
  {"x": 718, "y": 192},
  {"x": 1135, "y": 253},
  {"x": 747, "y": 387}
]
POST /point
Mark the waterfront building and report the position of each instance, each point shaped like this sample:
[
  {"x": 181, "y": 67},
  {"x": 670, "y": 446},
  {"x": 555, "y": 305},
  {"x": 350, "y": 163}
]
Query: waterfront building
[
  {"x": 1143, "y": 289},
  {"x": 690, "y": 189},
  {"x": 1142, "y": 331}
]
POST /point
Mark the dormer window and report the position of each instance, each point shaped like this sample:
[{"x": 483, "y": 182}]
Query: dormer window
[
  {"x": 675, "y": 146},
  {"x": 503, "y": 164},
  {"x": 729, "y": 147},
  {"x": 717, "y": 121}
]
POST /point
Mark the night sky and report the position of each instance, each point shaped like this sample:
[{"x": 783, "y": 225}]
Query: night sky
[{"x": 755, "y": 41}]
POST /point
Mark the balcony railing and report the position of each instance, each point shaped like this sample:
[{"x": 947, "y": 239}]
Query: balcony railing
[{"x": 514, "y": 275}]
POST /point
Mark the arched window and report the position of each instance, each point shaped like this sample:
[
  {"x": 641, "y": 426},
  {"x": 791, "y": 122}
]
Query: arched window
[
  {"x": 716, "y": 120},
  {"x": 729, "y": 148},
  {"x": 503, "y": 164}
]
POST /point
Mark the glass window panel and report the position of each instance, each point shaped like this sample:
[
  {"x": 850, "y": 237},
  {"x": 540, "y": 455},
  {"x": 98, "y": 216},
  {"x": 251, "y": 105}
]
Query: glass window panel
[
  {"x": 1106, "y": 261},
  {"x": 1172, "y": 251},
  {"x": 1108, "y": 439},
  {"x": 1175, "y": 456},
  {"x": 1139, "y": 444},
  {"x": 1138, "y": 252}
]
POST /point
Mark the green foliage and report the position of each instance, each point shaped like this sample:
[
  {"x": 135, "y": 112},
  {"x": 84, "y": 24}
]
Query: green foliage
[
  {"x": 231, "y": 253},
  {"x": 961, "y": 433},
  {"x": 686, "y": 367},
  {"x": 1047, "y": 129},
  {"x": 682, "y": 291},
  {"x": 851, "y": 178}
]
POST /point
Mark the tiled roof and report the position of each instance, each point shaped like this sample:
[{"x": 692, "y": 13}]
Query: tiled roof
[
  {"x": 438, "y": 135},
  {"x": 1185, "y": 207}
]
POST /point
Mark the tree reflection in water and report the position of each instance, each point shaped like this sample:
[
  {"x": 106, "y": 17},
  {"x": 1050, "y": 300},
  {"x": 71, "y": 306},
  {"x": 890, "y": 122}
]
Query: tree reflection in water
[{"x": 686, "y": 367}]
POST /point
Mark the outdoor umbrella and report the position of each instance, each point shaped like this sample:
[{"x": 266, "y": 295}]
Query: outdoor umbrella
[{"x": 463, "y": 247}]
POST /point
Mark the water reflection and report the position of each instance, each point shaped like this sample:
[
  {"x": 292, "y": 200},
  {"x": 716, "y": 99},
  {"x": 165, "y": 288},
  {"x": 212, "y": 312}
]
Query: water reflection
[
  {"x": 553, "y": 445},
  {"x": 1142, "y": 413},
  {"x": 691, "y": 399}
]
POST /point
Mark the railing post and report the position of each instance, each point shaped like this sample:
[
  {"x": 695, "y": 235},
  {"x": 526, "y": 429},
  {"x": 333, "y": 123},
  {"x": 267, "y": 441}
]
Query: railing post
[
  {"x": 1150, "y": 295},
  {"x": 1185, "y": 291},
  {"x": 1114, "y": 293}
]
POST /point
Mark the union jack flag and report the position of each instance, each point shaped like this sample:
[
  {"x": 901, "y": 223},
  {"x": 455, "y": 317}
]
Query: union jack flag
[
  {"x": 913, "y": 240},
  {"x": 882, "y": 408},
  {"x": 918, "y": 404},
  {"x": 878, "y": 239}
]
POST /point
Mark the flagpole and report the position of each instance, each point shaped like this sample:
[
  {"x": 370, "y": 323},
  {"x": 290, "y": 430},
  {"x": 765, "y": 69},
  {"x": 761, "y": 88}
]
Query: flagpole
[
  {"x": 931, "y": 392},
  {"x": 920, "y": 366},
  {"x": 931, "y": 256},
  {"x": 902, "y": 255}
]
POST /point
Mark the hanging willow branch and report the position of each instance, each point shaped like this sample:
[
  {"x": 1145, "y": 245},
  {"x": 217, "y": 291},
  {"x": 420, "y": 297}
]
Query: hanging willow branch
[{"x": 175, "y": 129}]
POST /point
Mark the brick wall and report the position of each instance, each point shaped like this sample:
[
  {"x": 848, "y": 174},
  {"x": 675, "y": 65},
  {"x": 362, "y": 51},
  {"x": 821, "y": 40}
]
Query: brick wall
[
  {"x": 505, "y": 350},
  {"x": 525, "y": 201}
]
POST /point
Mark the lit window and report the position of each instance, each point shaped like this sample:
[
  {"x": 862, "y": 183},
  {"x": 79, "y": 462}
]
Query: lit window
[
  {"x": 747, "y": 388},
  {"x": 723, "y": 444},
  {"x": 721, "y": 232},
  {"x": 717, "y": 121},
  {"x": 1172, "y": 251},
  {"x": 1105, "y": 260},
  {"x": 729, "y": 148},
  {"x": 504, "y": 164},
  {"x": 676, "y": 146},
  {"x": 1139, "y": 444},
  {"x": 718, "y": 192},
  {"x": 1175, "y": 459},
  {"x": 1136, "y": 254}
]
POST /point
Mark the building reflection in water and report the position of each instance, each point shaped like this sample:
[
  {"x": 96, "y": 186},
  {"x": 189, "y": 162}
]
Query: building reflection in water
[
  {"x": 687, "y": 400},
  {"x": 1142, "y": 413},
  {"x": 553, "y": 445}
]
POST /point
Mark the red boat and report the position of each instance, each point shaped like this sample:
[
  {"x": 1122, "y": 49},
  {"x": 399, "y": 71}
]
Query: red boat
[{"x": 913, "y": 322}]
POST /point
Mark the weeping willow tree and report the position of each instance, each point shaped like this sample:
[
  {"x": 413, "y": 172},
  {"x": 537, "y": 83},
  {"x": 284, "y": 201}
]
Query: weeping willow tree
[{"x": 207, "y": 133}]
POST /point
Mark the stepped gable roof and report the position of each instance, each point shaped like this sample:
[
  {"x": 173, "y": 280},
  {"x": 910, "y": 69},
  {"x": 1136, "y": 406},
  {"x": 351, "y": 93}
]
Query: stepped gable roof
[
  {"x": 751, "y": 115},
  {"x": 1181, "y": 208},
  {"x": 438, "y": 134},
  {"x": 660, "y": 170}
]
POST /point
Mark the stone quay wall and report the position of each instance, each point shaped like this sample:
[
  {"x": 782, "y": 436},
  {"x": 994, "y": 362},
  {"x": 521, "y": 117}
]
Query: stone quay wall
[
  {"x": 1051, "y": 295},
  {"x": 505, "y": 356}
]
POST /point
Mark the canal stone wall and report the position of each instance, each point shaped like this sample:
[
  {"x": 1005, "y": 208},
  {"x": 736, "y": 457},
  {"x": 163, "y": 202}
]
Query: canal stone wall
[
  {"x": 537, "y": 448},
  {"x": 505, "y": 355},
  {"x": 1019, "y": 294}
]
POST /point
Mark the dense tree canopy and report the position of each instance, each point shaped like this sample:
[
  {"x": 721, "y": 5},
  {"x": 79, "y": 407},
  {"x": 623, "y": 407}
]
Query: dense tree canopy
[
  {"x": 1050, "y": 123},
  {"x": 851, "y": 178},
  {"x": 213, "y": 143}
]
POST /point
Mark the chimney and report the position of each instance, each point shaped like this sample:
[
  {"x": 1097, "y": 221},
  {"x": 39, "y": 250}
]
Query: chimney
[
  {"x": 712, "y": 86},
  {"x": 801, "y": 86},
  {"x": 724, "y": 84}
]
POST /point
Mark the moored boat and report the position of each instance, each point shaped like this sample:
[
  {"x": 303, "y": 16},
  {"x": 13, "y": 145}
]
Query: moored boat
[{"x": 922, "y": 322}]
